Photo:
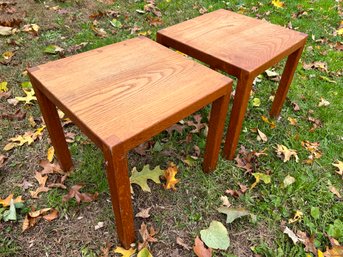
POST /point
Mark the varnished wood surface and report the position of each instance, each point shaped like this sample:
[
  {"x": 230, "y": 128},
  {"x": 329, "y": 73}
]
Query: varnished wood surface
[
  {"x": 232, "y": 41},
  {"x": 127, "y": 91}
]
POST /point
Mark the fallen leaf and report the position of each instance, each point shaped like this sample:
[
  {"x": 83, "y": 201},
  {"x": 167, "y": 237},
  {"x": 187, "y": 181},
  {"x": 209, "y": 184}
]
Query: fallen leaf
[
  {"x": 262, "y": 136},
  {"x": 316, "y": 123},
  {"x": 297, "y": 216},
  {"x": 79, "y": 197},
  {"x": 260, "y": 176},
  {"x": 49, "y": 168},
  {"x": 170, "y": 174},
  {"x": 307, "y": 241},
  {"x": 99, "y": 225},
  {"x": 200, "y": 249},
  {"x": 284, "y": 153},
  {"x": 141, "y": 178},
  {"x": 176, "y": 127},
  {"x": 237, "y": 193},
  {"x": 292, "y": 235},
  {"x": 271, "y": 73},
  {"x": 144, "y": 253},
  {"x": 339, "y": 165},
  {"x": 182, "y": 243},
  {"x": 225, "y": 201},
  {"x": 17, "y": 115},
  {"x": 10, "y": 214},
  {"x": 323, "y": 102},
  {"x": 51, "y": 216},
  {"x": 335, "y": 191},
  {"x": 147, "y": 235},
  {"x": 53, "y": 49},
  {"x": 278, "y": 3},
  {"x": 289, "y": 180},
  {"x": 266, "y": 120},
  {"x": 144, "y": 213},
  {"x": 292, "y": 121},
  {"x": 7, "y": 201},
  {"x": 34, "y": 194},
  {"x": 216, "y": 236},
  {"x": 296, "y": 107},
  {"x": 30, "y": 96},
  {"x": 256, "y": 102},
  {"x": 25, "y": 185},
  {"x": 124, "y": 252},
  {"x": 3, "y": 86},
  {"x": 197, "y": 124},
  {"x": 42, "y": 188},
  {"x": 232, "y": 214},
  {"x": 6, "y": 31},
  {"x": 3, "y": 159},
  {"x": 322, "y": 66},
  {"x": 51, "y": 152}
]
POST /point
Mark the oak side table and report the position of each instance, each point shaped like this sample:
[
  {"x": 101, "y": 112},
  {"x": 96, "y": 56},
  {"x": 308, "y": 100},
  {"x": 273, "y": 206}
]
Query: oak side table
[
  {"x": 243, "y": 47},
  {"x": 121, "y": 95}
]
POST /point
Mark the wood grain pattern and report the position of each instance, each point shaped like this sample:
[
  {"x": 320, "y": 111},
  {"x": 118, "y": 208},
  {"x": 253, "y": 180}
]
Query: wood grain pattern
[
  {"x": 120, "y": 90},
  {"x": 243, "y": 47},
  {"x": 120, "y": 96}
]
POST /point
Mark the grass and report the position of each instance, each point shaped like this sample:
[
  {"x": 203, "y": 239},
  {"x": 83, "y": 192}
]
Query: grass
[{"x": 193, "y": 206}]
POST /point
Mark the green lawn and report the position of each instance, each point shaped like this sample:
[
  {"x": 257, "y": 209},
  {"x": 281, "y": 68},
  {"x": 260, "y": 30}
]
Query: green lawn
[{"x": 192, "y": 207}]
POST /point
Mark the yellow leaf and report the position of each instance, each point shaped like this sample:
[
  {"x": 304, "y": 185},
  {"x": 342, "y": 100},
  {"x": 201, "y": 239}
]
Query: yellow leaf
[
  {"x": 260, "y": 176},
  {"x": 278, "y": 3},
  {"x": 320, "y": 253},
  {"x": 297, "y": 216},
  {"x": 339, "y": 165},
  {"x": 29, "y": 96},
  {"x": 271, "y": 123},
  {"x": 123, "y": 252},
  {"x": 3, "y": 86},
  {"x": 286, "y": 153},
  {"x": 170, "y": 174},
  {"x": 6, "y": 202},
  {"x": 10, "y": 146},
  {"x": 51, "y": 152},
  {"x": 256, "y": 102},
  {"x": 144, "y": 253},
  {"x": 7, "y": 55},
  {"x": 340, "y": 31},
  {"x": 292, "y": 121},
  {"x": 32, "y": 121}
]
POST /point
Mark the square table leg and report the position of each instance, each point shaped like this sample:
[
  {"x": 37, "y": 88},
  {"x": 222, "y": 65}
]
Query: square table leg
[
  {"x": 119, "y": 183},
  {"x": 53, "y": 124},
  {"x": 239, "y": 107},
  {"x": 286, "y": 80},
  {"x": 215, "y": 132}
]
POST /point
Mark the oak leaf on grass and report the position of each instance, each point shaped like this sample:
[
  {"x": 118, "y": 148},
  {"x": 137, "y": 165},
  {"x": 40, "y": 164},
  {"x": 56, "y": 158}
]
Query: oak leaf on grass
[
  {"x": 232, "y": 213},
  {"x": 278, "y": 3},
  {"x": 79, "y": 197},
  {"x": 260, "y": 176},
  {"x": 144, "y": 253},
  {"x": 284, "y": 153},
  {"x": 292, "y": 235},
  {"x": 33, "y": 217},
  {"x": 6, "y": 202},
  {"x": 339, "y": 165},
  {"x": 30, "y": 96},
  {"x": 147, "y": 235},
  {"x": 144, "y": 213},
  {"x": 141, "y": 178}
]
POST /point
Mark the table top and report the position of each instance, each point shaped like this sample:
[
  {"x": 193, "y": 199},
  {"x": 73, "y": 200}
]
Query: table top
[
  {"x": 128, "y": 91},
  {"x": 234, "y": 39}
]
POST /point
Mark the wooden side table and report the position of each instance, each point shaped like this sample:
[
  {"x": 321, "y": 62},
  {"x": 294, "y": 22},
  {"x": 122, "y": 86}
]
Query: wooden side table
[
  {"x": 121, "y": 95},
  {"x": 243, "y": 47}
]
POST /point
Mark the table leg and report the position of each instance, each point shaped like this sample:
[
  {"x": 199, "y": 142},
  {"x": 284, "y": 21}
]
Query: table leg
[
  {"x": 53, "y": 124},
  {"x": 119, "y": 183},
  {"x": 286, "y": 80},
  {"x": 239, "y": 107},
  {"x": 215, "y": 132}
]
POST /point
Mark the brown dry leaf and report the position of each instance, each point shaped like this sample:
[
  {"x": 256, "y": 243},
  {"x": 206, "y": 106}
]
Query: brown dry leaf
[
  {"x": 237, "y": 193},
  {"x": 80, "y": 197},
  {"x": 155, "y": 21},
  {"x": 339, "y": 165},
  {"x": 247, "y": 160},
  {"x": 34, "y": 194},
  {"x": 307, "y": 241},
  {"x": 316, "y": 123},
  {"x": 57, "y": 185},
  {"x": 170, "y": 174},
  {"x": 144, "y": 213},
  {"x": 25, "y": 185},
  {"x": 176, "y": 127},
  {"x": 285, "y": 154},
  {"x": 313, "y": 149},
  {"x": 105, "y": 250},
  {"x": 51, "y": 216},
  {"x": 197, "y": 124},
  {"x": 18, "y": 115},
  {"x": 42, "y": 188},
  {"x": 296, "y": 107},
  {"x": 225, "y": 201},
  {"x": 182, "y": 243},
  {"x": 322, "y": 66},
  {"x": 33, "y": 217},
  {"x": 3, "y": 159},
  {"x": 151, "y": 7},
  {"x": 200, "y": 249},
  {"x": 49, "y": 168},
  {"x": 335, "y": 191},
  {"x": 6, "y": 202},
  {"x": 147, "y": 235},
  {"x": 335, "y": 251}
]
